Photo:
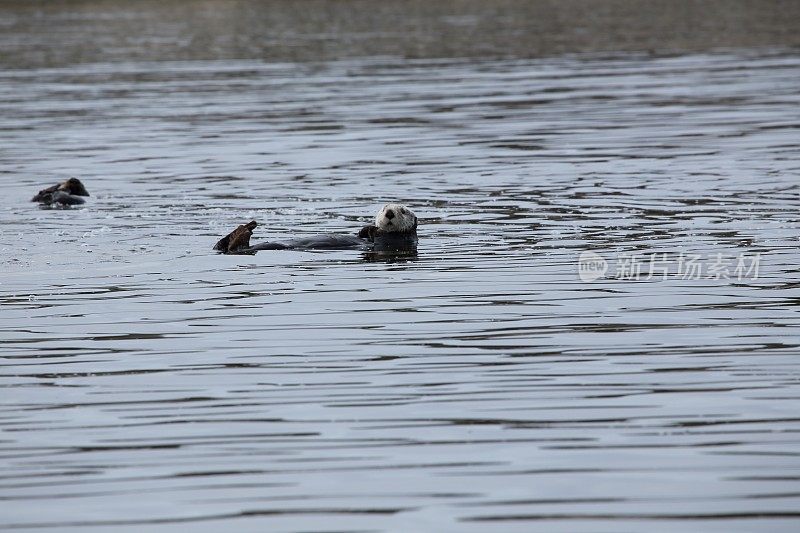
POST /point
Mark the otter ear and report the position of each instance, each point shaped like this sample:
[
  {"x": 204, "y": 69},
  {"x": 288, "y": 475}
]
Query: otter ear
[{"x": 415, "y": 223}]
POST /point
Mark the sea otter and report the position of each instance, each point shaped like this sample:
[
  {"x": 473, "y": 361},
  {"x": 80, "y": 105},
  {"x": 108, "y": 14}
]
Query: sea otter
[
  {"x": 395, "y": 230},
  {"x": 62, "y": 194}
]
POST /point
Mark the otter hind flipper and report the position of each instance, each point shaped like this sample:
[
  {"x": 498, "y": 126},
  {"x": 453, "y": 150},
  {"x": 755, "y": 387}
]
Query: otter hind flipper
[{"x": 238, "y": 240}]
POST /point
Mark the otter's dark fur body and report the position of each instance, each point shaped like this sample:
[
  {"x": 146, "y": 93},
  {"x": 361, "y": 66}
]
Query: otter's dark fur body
[
  {"x": 370, "y": 238},
  {"x": 395, "y": 230}
]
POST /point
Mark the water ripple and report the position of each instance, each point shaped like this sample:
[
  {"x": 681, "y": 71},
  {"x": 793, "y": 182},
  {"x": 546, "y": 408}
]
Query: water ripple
[{"x": 151, "y": 383}]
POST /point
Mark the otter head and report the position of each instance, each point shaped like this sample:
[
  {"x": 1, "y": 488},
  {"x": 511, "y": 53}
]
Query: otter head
[
  {"x": 396, "y": 218},
  {"x": 74, "y": 186}
]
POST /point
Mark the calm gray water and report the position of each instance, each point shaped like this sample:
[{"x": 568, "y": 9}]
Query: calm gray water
[{"x": 151, "y": 385}]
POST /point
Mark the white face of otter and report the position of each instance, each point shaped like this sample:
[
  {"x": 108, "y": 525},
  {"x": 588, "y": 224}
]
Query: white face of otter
[{"x": 396, "y": 218}]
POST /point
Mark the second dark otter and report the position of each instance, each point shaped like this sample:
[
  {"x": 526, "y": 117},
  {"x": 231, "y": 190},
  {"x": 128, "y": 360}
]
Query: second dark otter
[{"x": 62, "y": 194}]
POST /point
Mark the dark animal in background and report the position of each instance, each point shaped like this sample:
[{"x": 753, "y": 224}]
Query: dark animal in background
[{"x": 63, "y": 194}]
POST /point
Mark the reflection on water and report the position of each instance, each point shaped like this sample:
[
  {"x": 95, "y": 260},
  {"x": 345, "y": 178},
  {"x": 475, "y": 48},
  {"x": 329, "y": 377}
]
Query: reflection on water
[{"x": 479, "y": 386}]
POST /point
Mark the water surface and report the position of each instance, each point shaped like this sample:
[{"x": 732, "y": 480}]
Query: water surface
[{"x": 150, "y": 384}]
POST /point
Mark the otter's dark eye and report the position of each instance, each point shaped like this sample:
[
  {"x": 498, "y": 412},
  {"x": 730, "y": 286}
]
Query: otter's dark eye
[
  {"x": 389, "y": 214},
  {"x": 403, "y": 211}
]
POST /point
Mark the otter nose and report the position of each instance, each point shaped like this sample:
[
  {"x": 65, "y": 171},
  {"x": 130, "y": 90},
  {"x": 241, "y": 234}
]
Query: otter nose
[{"x": 389, "y": 214}]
